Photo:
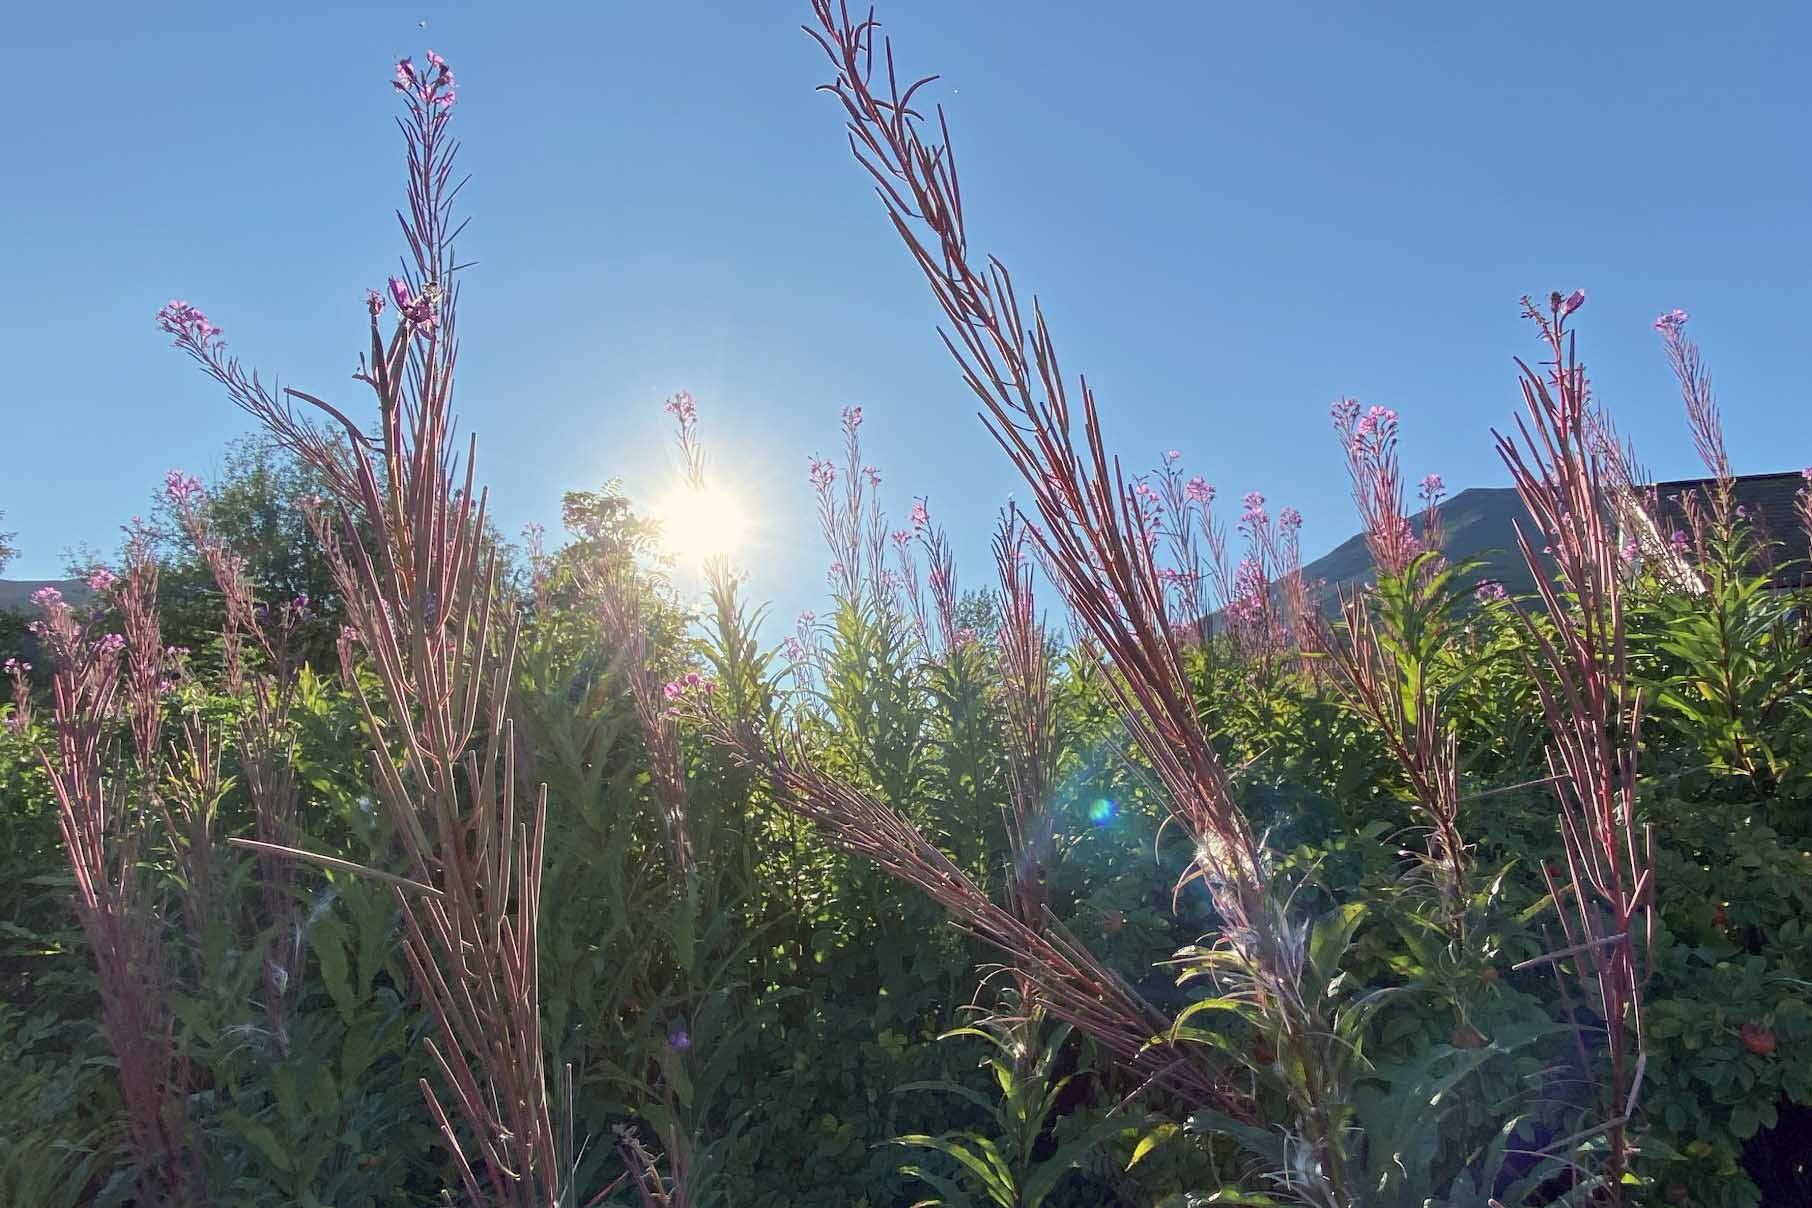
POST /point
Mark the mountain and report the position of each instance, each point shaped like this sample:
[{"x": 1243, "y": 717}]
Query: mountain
[
  {"x": 1477, "y": 523},
  {"x": 15, "y": 594}
]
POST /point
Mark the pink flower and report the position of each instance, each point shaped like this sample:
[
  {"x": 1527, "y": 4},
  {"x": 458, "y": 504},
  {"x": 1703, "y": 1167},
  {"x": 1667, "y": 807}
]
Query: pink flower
[
  {"x": 1432, "y": 488},
  {"x": 873, "y": 475},
  {"x": 15, "y": 667},
  {"x": 1679, "y": 540},
  {"x": 186, "y": 323},
  {"x": 437, "y": 60},
  {"x": 405, "y": 75},
  {"x": 416, "y": 310},
  {"x": 900, "y": 537},
  {"x": 374, "y": 302},
  {"x": 807, "y": 618},
  {"x": 682, "y": 408},
  {"x": 795, "y": 649},
  {"x": 822, "y": 474},
  {"x": 1574, "y": 301},
  {"x": 1806, "y": 473},
  {"x": 112, "y": 643},
  {"x": 1490, "y": 590},
  {"x": 1344, "y": 412},
  {"x": 672, "y": 690},
  {"x": 852, "y": 419},
  {"x": 1289, "y": 520},
  {"x": 1671, "y": 322},
  {"x": 920, "y": 516},
  {"x": 1254, "y": 505},
  {"x": 1197, "y": 490},
  {"x": 180, "y": 489},
  {"x": 46, "y": 598},
  {"x": 100, "y": 579},
  {"x": 1171, "y": 455},
  {"x": 1378, "y": 426}
]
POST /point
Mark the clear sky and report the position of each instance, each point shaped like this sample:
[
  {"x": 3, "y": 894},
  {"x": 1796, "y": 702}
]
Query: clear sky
[{"x": 1232, "y": 212}]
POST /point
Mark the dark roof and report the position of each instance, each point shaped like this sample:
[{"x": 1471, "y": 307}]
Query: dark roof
[{"x": 1769, "y": 504}]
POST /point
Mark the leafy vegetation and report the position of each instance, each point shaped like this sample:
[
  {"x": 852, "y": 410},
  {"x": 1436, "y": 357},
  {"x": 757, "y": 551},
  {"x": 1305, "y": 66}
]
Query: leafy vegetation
[{"x": 349, "y": 861}]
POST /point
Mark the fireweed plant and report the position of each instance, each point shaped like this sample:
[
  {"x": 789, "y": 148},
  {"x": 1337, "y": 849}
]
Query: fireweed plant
[
  {"x": 1098, "y": 541},
  {"x": 422, "y": 601},
  {"x": 567, "y": 889}
]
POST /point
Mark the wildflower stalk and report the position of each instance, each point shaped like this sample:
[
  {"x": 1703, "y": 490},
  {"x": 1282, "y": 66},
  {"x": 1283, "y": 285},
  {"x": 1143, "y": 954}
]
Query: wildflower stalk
[
  {"x": 1029, "y": 731},
  {"x": 405, "y": 535},
  {"x": 1096, "y": 537},
  {"x": 265, "y": 747},
  {"x": 1382, "y": 654},
  {"x": 1605, "y": 889},
  {"x": 104, "y": 836}
]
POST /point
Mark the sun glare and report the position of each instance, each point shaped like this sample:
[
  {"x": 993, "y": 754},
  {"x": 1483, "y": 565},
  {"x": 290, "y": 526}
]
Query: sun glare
[{"x": 699, "y": 524}]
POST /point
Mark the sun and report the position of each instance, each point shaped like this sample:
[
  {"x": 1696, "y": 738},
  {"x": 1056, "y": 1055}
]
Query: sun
[{"x": 700, "y": 524}]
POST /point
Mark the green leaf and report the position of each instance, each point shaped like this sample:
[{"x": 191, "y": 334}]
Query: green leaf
[
  {"x": 259, "y": 1136},
  {"x": 1151, "y": 1140},
  {"x": 1260, "y": 1142},
  {"x": 1332, "y": 936},
  {"x": 1045, "y": 1177}
]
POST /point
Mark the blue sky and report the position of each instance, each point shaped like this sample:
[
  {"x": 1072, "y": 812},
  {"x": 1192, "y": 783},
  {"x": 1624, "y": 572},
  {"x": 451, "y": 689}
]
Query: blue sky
[{"x": 1232, "y": 213}]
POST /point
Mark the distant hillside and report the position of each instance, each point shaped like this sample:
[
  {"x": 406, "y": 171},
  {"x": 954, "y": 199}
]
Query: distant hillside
[
  {"x": 15, "y": 594},
  {"x": 1478, "y": 523}
]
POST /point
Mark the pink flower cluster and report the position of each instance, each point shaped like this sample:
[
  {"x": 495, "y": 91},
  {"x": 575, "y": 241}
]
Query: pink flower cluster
[
  {"x": 432, "y": 87},
  {"x": 823, "y": 474},
  {"x": 186, "y": 323},
  {"x": 852, "y": 419},
  {"x": 1198, "y": 490},
  {"x": 682, "y": 408},
  {"x": 690, "y": 684},
  {"x": 1250, "y": 593},
  {"x": 417, "y": 309},
  {"x": 182, "y": 490},
  {"x": 1671, "y": 322}
]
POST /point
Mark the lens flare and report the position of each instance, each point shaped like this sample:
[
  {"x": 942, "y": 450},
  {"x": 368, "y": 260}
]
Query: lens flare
[
  {"x": 699, "y": 524},
  {"x": 1102, "y": 811}
]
